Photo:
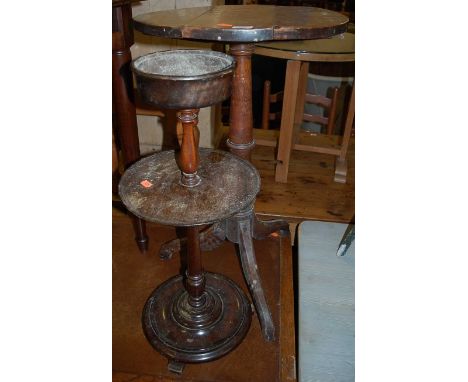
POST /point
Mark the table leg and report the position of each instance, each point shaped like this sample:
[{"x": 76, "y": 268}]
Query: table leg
[{"x": 122, "y": 94}]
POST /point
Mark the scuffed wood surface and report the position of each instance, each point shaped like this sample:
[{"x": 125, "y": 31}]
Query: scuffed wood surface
[{"x": 243, "y": 23}]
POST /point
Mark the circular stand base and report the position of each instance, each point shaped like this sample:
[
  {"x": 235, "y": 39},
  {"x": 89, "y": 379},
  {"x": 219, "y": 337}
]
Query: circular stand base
[{"x": 202, "y": 333}]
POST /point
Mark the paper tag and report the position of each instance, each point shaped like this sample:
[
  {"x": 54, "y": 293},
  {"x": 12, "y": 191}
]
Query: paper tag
[{"x": 146, "y": 183}]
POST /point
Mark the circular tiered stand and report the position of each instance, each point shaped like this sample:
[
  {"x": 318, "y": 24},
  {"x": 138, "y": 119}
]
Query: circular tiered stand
[{"x": 199, "y": 316}]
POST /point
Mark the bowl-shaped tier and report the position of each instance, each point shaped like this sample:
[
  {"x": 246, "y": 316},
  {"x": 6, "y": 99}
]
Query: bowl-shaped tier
[
  {"x": 151, "y": 189},
  {"x": 183, "y": 79}
]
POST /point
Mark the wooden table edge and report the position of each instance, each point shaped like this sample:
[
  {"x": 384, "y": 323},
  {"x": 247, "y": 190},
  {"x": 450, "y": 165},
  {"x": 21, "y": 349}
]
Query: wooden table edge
[{"x": 304, "y": 56}]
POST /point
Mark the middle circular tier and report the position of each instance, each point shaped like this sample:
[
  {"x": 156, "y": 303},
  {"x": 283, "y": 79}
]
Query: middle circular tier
[{"x": 151, "y": 188}]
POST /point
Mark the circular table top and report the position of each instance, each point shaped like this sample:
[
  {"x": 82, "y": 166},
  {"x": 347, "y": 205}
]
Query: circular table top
[
  {"x": 151, "y": 189},
  {"x": 243, "y": 23},
  {"x": 337, "y": 48}
]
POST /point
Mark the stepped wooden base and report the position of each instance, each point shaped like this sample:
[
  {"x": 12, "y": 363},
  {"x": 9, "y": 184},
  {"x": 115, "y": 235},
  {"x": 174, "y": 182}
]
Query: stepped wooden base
[
  {"x": 188, "y": 334},
  {"x": 136, "y": 276}
]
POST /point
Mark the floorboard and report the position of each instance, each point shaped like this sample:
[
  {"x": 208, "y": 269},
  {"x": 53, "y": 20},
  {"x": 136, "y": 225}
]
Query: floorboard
[{"x": 310, "y": 193}]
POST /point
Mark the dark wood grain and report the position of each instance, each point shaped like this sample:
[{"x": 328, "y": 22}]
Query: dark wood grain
[{"x": 243, "y": 23}]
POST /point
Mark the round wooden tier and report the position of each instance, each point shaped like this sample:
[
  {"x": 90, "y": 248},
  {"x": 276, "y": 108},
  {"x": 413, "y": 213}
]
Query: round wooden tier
[
  {"x": 151, "y": 189},
  {"x": 243, "y": 23},
  {"x": 184, "y": 335}
]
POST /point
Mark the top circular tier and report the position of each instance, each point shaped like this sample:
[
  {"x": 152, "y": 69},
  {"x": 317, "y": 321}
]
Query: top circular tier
[
  {"x": 243, "y": 23},
  {"x": 183, "y": 79}
]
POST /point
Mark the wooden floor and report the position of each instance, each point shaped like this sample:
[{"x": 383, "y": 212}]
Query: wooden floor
[{"x": 311, "y": 193}]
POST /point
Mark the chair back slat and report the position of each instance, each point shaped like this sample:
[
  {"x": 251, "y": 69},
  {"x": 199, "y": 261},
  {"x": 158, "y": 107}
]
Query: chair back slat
[
  {"x": 318, "y": 100},
  {"x": 315, "y": 118},
  {"x": 330, "y": 104}
]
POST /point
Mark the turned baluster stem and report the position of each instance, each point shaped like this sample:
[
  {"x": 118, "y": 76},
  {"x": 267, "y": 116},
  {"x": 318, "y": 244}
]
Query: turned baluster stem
[
  {"x": 188, "y": 157},
  {"x": 195, "y": 279}
]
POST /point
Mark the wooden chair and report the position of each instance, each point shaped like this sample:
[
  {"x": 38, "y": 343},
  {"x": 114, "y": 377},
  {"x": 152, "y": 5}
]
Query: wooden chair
[
  {"x": 289, "y": 136},
  {"x": 329, "y": 104}
]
